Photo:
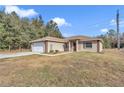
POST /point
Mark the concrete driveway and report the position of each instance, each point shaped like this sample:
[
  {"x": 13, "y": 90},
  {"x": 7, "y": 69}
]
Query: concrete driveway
[
  {"x": 16, "y": 54},
  {"x": 28, "y": 53}
]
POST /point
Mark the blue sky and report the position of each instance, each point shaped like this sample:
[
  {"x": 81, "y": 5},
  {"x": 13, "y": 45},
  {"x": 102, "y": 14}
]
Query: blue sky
[{"x": 76, "y": 20}]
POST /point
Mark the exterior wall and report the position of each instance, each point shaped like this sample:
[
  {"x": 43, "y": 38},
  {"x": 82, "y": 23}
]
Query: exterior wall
[
  {"x": 96, "y": 46},
  {"x": 93, "y": 49},
  {"x": 100, "y": 47},
  {"x": 55, "y": 46}
]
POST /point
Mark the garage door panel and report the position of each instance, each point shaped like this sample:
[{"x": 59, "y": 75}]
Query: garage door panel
[{"x": 38, "y": 47}]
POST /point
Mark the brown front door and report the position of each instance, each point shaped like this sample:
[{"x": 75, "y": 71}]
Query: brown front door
[{"x": 74, "y": 46}]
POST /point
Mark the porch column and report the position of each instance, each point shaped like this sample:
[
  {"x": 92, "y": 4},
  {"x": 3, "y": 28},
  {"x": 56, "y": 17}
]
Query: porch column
[
  {"x": 77, "y": 45},
  {"x": 46, "y": 47},
  {"x": 98, "y": 48},
  {"x": 69, "y": 46}
]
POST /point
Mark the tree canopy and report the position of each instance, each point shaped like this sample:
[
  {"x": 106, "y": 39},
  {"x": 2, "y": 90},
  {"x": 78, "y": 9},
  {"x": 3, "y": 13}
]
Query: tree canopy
[
  {"x": 110, "y": 39},
  {"x": 17, "y": 32}
]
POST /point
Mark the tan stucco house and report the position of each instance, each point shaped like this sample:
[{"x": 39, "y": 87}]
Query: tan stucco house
[{"x": 74, "y": 43}]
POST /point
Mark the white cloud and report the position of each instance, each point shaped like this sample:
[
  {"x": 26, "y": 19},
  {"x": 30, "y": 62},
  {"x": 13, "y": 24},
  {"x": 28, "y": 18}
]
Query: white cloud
[
  {"x": 113, "y": 22},
  {"x": 61, "y": 21},
  {"x": 20, "y": 12},
  {"x": 104, "y": 30}
]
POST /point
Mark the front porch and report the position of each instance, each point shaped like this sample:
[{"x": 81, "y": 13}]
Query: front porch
[{"x": 73, "y": 45}]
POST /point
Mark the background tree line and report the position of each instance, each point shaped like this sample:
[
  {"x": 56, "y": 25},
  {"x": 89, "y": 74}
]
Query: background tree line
[
  {"x": 15, "y": 32},
  {"x": 110, "y": 39}
]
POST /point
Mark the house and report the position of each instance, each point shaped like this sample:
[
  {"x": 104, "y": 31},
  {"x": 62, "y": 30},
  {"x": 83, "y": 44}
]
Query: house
[{"x": 74, "y": 43}]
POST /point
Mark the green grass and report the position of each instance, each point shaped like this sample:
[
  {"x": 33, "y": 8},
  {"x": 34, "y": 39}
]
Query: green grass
[{"x": 76, "y": 69}]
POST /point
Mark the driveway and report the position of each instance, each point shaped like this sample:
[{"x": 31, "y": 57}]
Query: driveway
[
  {"x": 16, "y": 54},
  {"x": 27, "y": 54}
]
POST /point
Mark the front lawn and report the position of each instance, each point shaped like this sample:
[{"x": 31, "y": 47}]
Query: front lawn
[{"x": 75, "y": 69}]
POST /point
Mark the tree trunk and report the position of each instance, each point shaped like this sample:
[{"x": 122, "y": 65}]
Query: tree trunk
[
  {"x": 20, "y": 49},
  {"x": 9, "y": 48}
]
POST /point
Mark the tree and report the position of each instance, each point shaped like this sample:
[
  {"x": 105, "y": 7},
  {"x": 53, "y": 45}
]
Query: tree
[
  {"x": 38, "y": 26},
  {"x": 16, "y": 33},
  {"x": 52, "y": 29},
  {"x": 2, "y": 34},
  {"x": 109, "y": 39},
  {"x": 112, "y": 37}
]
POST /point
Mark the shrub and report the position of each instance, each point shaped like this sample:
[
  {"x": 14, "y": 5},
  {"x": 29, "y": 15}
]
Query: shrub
[
  {"x": 51, "y": 51},
  {"x": 56, "y": 51}
]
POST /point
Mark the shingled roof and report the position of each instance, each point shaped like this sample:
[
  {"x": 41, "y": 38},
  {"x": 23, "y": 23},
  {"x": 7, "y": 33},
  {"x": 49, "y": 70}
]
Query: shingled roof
[
  {"x": 82, "y": 38},
  {"x": 54, "y": 39},
  {"x": 48, "y": 38}
]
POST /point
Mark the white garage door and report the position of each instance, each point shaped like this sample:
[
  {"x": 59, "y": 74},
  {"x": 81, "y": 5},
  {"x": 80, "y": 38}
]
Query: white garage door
[{"x": 37, "y": 47}]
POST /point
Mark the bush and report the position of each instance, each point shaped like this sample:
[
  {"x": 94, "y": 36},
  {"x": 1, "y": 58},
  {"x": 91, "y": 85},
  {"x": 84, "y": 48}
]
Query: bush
[
  {"x": 56, "y": 51},
  {"x": 51, "y": 51}
]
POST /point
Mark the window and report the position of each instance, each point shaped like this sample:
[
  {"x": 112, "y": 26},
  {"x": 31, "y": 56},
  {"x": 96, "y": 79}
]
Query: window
[{"x": 87, "y": 44}]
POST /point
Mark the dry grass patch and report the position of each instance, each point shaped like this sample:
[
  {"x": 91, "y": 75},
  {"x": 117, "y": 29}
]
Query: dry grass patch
[{"x": 76, "y": 69}]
